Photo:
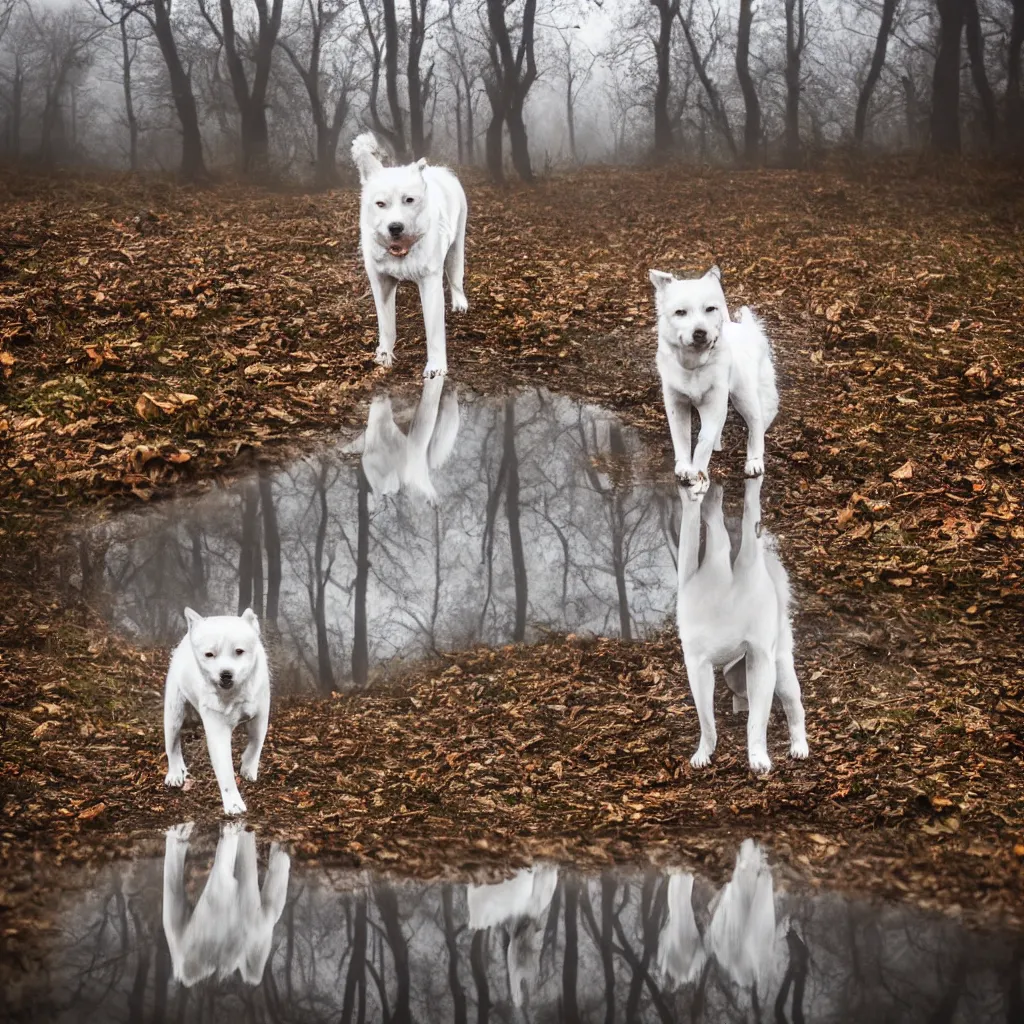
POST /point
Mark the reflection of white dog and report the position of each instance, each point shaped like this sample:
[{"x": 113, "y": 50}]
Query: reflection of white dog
[
  {"x": 706, "y": 359},
  {"x": 220, "y": 668},
  {"x": 393, "y": 460},
  {"x": 520, "y": 904},
  {"x": 412, "y": 226},
  {"x": 233, "y": 921},
  {"x": 742, "y": 932},
  {"x": 737, "y": 616},
  {"x": 681, "y": 953}
]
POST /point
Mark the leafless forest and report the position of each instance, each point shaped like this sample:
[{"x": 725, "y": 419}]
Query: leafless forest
[{"x": 271, "y": 89}]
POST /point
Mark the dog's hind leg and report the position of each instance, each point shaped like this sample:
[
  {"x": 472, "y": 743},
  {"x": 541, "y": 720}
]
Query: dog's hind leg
[
  {"x": 760, "y": 690},
  {"x": 432, "y": 297},
  {"x": 787, "y": 686},
  {"x": 174, "y": 715},
  {"x": 384, "y": 289},
  {"x": 701, "y": 675},
  {"x": 454, "y": 265}
]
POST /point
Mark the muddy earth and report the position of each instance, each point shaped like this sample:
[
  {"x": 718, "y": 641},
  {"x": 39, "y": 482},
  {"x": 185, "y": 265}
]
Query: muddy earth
[{"x": 475, "y": 798}]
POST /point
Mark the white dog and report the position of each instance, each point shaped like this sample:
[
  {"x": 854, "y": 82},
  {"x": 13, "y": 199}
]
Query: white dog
[
  {"x": 737, "y": 616},
  {"x": 704, "y": 358},
  {"x": 412, "y": 227},
  {"x": 220, "y": 668},
  {"x": 520, "y": 905},
  {"x": 393, "y": 459},
  {"x": 233, "y": 922}
]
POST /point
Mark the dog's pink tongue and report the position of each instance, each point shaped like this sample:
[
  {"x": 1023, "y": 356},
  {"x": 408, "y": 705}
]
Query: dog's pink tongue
[{"x": 398, "y": 249}]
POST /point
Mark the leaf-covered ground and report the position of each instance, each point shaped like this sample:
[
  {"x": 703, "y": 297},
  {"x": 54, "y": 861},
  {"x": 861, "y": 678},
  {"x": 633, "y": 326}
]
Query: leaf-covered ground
[{"x": 153, "y": 338}]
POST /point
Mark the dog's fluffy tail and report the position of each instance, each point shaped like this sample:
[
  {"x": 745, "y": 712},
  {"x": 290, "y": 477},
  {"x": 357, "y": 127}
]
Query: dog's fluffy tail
[{"x": 367, "y": 155}]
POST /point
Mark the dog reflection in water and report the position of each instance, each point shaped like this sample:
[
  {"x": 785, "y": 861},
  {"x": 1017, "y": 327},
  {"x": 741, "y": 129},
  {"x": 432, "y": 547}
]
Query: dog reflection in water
[
  {"x": 742, "y": 938},
  {"x": 393, "y": 459},
  {"x": 519, "y": 906},
  {"x": 734, "y": 614},
  {"x": 233, "y": 921}
]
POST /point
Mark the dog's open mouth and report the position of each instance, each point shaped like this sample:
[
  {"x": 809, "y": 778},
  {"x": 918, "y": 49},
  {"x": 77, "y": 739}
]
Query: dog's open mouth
[{"x": 400, "y": 246}]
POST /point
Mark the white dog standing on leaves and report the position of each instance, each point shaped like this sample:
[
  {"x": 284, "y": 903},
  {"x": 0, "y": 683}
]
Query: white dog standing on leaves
[
  {"x": 412, "y": 227},
  {"x": 220, "y": 668},
  {"x": 736, "y": 615},
  {"x": 705, "y": 359}
]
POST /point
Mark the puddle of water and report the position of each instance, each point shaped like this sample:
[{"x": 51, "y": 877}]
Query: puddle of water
[
  {"x": 238, "y": 932},
  {"x": 449, "y": 522}
]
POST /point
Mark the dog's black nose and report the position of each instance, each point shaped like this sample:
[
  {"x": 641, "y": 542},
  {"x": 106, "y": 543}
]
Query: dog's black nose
[
  {"x": 226, "y": 678},
  {"x": 700, "y": 337},
  {"x": 396, "y": 228}
]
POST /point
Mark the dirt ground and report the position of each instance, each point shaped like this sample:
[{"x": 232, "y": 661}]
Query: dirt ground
[{"x": 154, "y": 337}]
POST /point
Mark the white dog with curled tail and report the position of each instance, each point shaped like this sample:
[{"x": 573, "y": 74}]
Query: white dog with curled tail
[
  {"x": 706, "y": 360},
  {"x": 412, "y": 227}
]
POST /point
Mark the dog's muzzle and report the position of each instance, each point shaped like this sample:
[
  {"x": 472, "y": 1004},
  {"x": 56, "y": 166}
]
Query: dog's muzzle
[
  {"x": 226, "y": 680},
  {"x": 701, "y": 340}
]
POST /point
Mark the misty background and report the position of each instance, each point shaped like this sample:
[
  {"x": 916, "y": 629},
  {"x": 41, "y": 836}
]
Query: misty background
[{"x": 273, "y": 90}]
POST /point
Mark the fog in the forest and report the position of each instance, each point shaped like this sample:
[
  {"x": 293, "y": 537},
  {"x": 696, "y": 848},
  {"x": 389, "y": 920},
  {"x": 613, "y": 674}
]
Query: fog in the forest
[{"x": 273, "y": 90}]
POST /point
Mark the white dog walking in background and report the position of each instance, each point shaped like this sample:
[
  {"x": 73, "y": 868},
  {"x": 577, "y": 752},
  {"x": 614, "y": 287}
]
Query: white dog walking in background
[
  {"x": 736, "y": 615},
  {"x": 412, "y": 227},
  {"x": 220, "y": 668},
  {"x": 705, "y": 359}
]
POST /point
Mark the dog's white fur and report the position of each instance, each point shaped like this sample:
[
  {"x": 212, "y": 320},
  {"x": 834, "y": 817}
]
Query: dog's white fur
[
  {"x": 412, "y": 227},
  {"x": 520, "y": 904},
  {"x": 233, "y": 921},
  {"x": 704, "y": 360},
  {"x": 220, "y": 668},
  {"x": 681, "y": 954},
  {"x": 737, "y": 616},
  {"x": 393, "y": 459}
]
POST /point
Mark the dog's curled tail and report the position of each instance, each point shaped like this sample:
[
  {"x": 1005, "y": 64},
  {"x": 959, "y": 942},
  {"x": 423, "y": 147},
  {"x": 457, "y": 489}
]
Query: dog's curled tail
[{"x": 367, "y": 155}]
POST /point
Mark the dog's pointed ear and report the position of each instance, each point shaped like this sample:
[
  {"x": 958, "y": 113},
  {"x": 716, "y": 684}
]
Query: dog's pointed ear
[
  {"x": 365, "y": 155},
  {"x": 249, "y": 616},
  {"x": 715, "y": 272},
  {"x": 192, "y": 618},
  {"x": 421, "y": 163},
  {"x": 660, "y": 280}
]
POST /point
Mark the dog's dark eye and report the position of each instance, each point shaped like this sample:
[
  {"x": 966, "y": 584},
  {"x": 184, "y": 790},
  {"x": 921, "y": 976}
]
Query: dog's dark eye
[
  {"x": 680, "y": 312},
  {"x": 410, "y": 199},
  {"x": 381, "y": 203},
  {"x": 209, "y": 654},
  {"x": 239, "y": 651},
  {"x": 711, "y": 309}
]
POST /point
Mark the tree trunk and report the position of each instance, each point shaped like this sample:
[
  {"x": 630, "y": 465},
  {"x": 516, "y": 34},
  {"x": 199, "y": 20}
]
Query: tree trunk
[
  {"x": 272, "y": 545},
  {"x": 458, "y": 123},
  {"x": 391, "y": 81},
  {"x": 570, "y": 117},
  {"x": 360, "y": 643},
  {"x": 17, "y": 93},
  {"x": 976, "y": 52},
  {"x": 719, "y": 114},
  {"x": 493, "y": 141},
  {"x": 945, "y": 117},
  {"x": 129, "y": 107},
  {"x": 667, "y": 10},
  {"x": 1014, "y": 102},
  {"x": 518, "y": 143},
  {"x": 419, "y": 89},
  {"x": 515, "y": 537},
  {"x": 249, "y": 550},
  {"x": 796, "y": 37},
  {"x": 860, "y": 119},
  {"x": 193, "y": 167},
  {"x": 752, "y": 123}
]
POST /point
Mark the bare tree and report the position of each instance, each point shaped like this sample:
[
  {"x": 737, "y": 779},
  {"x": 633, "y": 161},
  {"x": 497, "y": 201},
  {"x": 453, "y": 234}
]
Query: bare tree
[
  {"x": 874, "y": 71},
  {"x": 945, "y": 115},
  {"x": 420, "y": 85},
  {"x": 251, "y": 99},
  {"x": 796, "y": 43},
  {"x": 752, "y": 123},
  {"x": 976, "y": 52},
  {"x": 576, "y": 73},
  {"x": 322, "y": 16},
  {"x": 465, "y": 77},
  {"x": 667, "y": 11},
  {"x": 513, "y": 70},
  {"x": 719, "y": 115}
]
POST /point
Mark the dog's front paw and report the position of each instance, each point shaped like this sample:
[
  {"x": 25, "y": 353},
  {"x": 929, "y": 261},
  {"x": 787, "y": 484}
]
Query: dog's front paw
[
  {"x": 760, "y": 763},
  {"x": 384, "y": 357},
  {"x": 459, "y": 302},
  {"x": 753, "y": 467},
  {"x": 798, "y": 748},
  {"x": 432, "y": 370},
  {"x": 234, "y": 804},
  {"x": 181, "y": 833},
  {"x": 249, "y": 769},
  {"x": 176, "y": 776},
  {"x": 702, "y": 758}
]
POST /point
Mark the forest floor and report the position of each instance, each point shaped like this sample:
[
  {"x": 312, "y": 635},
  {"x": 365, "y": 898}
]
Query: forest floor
[{"x": 153, "y": 337}]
